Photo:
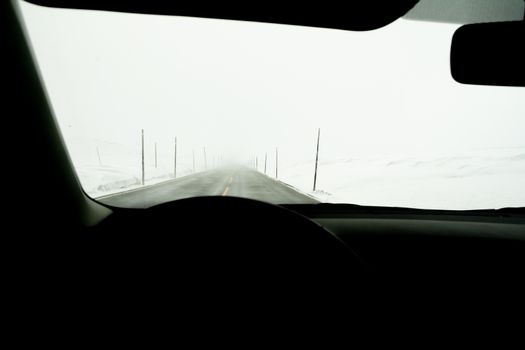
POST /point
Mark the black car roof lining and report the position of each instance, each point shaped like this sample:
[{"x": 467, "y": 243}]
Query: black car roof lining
[{"x": 355, "y": 15}]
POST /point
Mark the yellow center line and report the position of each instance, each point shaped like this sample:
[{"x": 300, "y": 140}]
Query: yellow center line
[{"x": 226, "y": 191}]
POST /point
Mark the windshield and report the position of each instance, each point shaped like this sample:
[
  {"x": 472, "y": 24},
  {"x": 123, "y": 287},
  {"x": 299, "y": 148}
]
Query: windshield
[{"x": 158, "y": 108}]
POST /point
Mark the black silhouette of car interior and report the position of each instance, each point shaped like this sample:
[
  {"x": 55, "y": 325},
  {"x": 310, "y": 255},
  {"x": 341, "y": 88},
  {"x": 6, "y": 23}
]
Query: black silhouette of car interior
[{"x": 223, "y": 244}]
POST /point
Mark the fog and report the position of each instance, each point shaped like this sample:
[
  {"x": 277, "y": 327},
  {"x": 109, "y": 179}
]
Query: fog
[{"x": 242, "y": 89}]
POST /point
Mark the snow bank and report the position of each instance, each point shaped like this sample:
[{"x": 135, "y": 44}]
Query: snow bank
[
  {"x": 106, "y": 167},
  {"x": 485, "y": 179}
]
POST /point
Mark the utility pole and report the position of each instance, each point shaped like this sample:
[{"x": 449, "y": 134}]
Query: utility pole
[
  {"x": 205, "y": 161},
  {"x": 193, "y": 152},
  {"x": 155, "y": 155},
  {"x": 317, "y": 156},
  {"x": 98, "y": 154},
  {"x": 256, "y": 163},
  {"x": 142, "y": 157},
  {"x": 175, "y": 160},
  {"x": 265, "y": 160},
  {"x": 276, "y": 162}
]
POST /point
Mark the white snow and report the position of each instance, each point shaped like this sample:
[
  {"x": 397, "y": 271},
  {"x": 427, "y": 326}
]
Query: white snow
[
  {"x": 119, "y": 166},
  {"x": 476, "y": 180},
  {"x": 479, "y": 179}
]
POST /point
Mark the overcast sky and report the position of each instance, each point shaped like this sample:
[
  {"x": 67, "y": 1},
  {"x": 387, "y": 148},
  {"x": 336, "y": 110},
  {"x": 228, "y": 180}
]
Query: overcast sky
[{"x": 244, "y": 88}]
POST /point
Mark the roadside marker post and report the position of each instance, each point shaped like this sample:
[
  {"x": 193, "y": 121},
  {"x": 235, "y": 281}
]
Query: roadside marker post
[{"x": 317, "y": 157}]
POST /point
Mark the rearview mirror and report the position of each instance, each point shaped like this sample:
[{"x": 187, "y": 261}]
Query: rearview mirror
[{"x": 489, "y": 54}]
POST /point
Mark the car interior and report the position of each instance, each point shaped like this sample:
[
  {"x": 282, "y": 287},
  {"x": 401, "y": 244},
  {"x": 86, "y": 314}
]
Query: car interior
[{"x": 215, "y": 243}]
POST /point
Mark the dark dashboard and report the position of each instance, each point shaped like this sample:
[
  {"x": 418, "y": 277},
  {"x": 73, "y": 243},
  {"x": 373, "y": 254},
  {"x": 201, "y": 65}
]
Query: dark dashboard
[{"x": 410, "y": 240}]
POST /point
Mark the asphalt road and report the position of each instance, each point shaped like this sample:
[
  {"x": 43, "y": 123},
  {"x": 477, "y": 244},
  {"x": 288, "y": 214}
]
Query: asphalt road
[{"x": 228, "y": 181}]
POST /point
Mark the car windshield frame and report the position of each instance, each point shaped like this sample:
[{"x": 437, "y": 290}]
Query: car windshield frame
[{"x": 331, "y": 158}]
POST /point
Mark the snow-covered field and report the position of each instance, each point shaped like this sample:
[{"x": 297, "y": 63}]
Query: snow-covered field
[
  {"x": 119, "y": 167},
  {"x": 491, "y": 178},
  {"x": 474, "y": 180}
]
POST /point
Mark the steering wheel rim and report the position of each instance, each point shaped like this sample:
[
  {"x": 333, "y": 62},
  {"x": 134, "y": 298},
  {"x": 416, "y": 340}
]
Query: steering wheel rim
[{"x": 237, "y": 237}]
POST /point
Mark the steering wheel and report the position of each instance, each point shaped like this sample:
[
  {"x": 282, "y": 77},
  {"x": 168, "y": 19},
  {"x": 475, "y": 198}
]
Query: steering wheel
[{"x": 233, "y": 239}]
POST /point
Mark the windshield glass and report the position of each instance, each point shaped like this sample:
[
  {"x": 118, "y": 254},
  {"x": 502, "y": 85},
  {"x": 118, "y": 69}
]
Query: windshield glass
[{"x": 158, "y": 108}]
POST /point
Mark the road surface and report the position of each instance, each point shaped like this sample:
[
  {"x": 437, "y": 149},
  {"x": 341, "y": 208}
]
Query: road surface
[{"x": 228, "y": 181}]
